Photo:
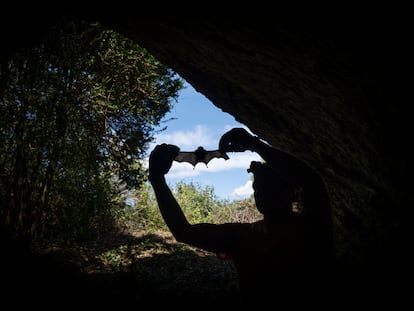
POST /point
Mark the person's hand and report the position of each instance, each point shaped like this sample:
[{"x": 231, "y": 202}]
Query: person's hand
[
  {"x": 161, "y": 159},
  {"x": 236, "y": 140}
]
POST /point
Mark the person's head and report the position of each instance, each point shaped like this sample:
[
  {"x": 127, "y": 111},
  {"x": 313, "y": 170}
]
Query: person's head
[{"x": 273, "y": 195}]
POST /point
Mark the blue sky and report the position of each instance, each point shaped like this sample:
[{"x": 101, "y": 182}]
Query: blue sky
[{"x": 197, "y": 122}]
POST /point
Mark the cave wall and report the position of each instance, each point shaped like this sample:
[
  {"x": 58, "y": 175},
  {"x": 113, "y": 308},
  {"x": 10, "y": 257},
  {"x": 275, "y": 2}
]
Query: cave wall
[{"x": 332, "y": 94}]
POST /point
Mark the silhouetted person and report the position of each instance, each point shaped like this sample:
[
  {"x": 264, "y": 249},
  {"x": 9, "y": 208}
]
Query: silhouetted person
[{"x": 289, "y": 251}]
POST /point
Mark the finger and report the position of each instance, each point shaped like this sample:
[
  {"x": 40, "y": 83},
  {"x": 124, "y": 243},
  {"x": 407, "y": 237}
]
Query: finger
[{"x": 173, "y": 151}]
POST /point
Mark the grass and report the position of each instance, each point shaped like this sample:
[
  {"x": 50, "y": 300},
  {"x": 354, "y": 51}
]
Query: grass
[{"x": 129, "y": 269}]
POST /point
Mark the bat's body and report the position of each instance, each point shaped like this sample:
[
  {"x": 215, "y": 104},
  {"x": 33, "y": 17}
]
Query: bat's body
[{"x": 200, "y": 155}]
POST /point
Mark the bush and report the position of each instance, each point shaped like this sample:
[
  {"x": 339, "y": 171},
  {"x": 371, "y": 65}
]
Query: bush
[{"x": 198, "y": 203}]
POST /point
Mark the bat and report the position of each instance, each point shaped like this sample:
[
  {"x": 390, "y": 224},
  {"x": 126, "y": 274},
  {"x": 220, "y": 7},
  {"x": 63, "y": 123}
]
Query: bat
[{"x": 200, "y": 155}]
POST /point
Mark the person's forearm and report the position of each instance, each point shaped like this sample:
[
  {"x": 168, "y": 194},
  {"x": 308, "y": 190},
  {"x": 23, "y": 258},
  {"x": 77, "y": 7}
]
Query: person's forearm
[
  {"x": 286, "y": 165},
  {"x": 169, "y": 208}
]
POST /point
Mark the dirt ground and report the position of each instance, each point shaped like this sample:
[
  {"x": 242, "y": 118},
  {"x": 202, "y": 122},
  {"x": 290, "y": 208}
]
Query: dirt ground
[{"x": 131, "y": 269}]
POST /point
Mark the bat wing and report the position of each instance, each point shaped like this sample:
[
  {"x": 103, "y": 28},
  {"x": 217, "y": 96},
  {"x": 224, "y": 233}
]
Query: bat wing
[
  {"x": 209, "y": 155},
  {"x": 186, "y": 156}
]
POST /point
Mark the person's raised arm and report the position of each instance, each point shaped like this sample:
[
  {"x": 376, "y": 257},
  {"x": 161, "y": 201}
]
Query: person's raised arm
[
  {"x": 160, "y": 162},
  {"x": 313, "y": 192},
  {"x": 211, "y": 237},
  {"x": 289, "y": 167}
]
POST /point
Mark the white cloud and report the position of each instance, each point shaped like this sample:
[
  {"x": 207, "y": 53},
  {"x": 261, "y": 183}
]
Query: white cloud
[
  {"x": 191, "y": 139},
  {"x": 182, "y": 170},
  {"x": 243, "y": 191},
  {"x": 200, "y": 135}
]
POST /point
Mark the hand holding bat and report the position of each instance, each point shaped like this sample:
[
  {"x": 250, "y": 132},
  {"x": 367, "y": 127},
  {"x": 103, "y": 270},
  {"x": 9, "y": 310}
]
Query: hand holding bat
[
  {"x": 161, "y": 159},
  {"x": 237, "y": 140},
  {"x": 200, "y": 155}
]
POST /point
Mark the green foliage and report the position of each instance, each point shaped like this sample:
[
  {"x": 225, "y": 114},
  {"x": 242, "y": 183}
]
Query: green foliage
[
  {"x": 235, "y": 211},
  {"x": 144, "y": 214},
  {"x": 198, "y": 203},
  {"x": 155, "y": 265},
  {"x": 76, "y": 115}
]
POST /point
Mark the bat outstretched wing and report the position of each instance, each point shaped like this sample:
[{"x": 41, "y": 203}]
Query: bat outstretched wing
[
  {"x": 187, "y": 156},
  {"x": 209, "y": 155}
]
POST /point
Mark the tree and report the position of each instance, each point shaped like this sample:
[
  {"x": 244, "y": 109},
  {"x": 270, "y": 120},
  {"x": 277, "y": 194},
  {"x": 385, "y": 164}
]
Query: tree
[
  {"x": 76, "y": 115},
  {"x": 196, "y": 201}
]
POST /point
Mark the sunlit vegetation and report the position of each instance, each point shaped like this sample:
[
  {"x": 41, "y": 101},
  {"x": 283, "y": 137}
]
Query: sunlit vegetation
[
  {"x": 199, "y": 204},
  {"x": 142, "y": 255},
  {"x": 77, "y": 113}
]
